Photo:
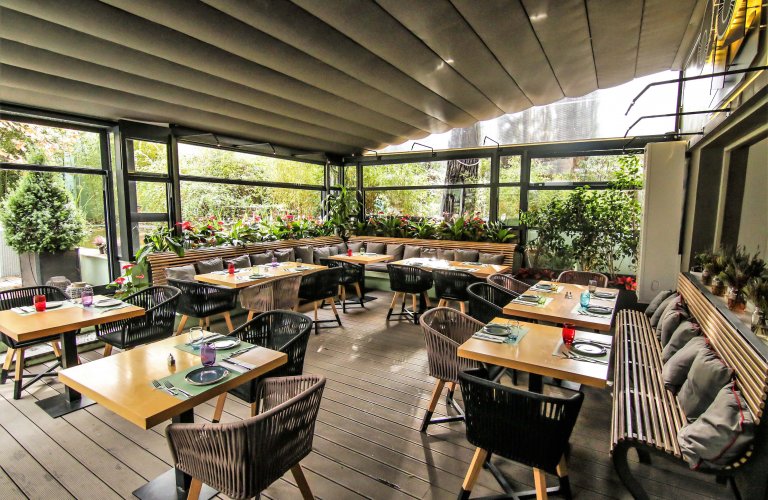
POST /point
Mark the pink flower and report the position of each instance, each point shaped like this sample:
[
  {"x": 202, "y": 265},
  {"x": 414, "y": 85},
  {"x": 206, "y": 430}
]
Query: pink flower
[
  {"x": 128, "y": 266},
  {"x": 289, "y": 217},
  {"x": 120, "y": 280}
]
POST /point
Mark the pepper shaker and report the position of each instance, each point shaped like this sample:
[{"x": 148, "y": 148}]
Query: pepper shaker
[{"x": 171, "y": 360}]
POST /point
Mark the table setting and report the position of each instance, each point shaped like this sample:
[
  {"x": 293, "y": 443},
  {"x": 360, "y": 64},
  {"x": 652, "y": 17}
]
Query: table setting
[
  {"x": 501, "y": 333},
  {"x": 581, "y": 349},
  {"x": 533, "y": 300}
]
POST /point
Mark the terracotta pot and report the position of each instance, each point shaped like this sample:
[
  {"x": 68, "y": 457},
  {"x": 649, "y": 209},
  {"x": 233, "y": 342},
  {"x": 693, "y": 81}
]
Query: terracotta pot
[{"x": 736, "y": 300}]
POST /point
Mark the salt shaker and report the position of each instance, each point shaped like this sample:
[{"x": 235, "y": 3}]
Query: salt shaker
[{"x": 171, "y": 360}]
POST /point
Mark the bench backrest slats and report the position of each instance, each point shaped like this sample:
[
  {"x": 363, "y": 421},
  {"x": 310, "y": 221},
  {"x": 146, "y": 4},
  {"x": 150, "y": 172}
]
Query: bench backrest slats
[
  {"x": 750, "y": 368},
  {"x": 506, "y": 249}
]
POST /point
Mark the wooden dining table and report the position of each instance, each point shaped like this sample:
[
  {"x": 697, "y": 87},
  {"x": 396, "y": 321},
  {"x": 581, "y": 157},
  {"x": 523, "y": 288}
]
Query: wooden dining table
[
  {"x": 240, "y": 279},
  {"x": 534, "y": 354},
  {"x": 66, "y": 322},
  {"x": 122, "y": 383},
  {"x": 474, "y": 268},
  {"x": 564, "y": 310}
]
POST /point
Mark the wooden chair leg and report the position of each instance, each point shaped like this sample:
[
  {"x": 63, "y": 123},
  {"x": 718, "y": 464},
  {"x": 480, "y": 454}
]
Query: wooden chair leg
[
  {"x": 228, "y": 320},
  {"x": 254, "y": 409},
  {"x": 436, "y": 393},
  {"x": 473, "y": 472},
  {"x": 335, "y": 312},
  {"x": 301, "y": 482},
  {"x": 219, "y": 408},
  {"x": 343, "y": 296},
  {"x": 201, "y": 322},
  {"x": 426, "y": 299},
  {"x": 9, "y": 354},
  {"x": 359, "y": 293},
  {"x": 462, "y": 307},
  {"x": 18, "y": 380},
  {"x": 540, "y": 483},
  {"x": 208, "y": 323},
  {"x": 314, "y": 306},
  {"x": 565, "y": 483},
  {"x": 182, "y": 322},
  {"x": 194, "y": 489},
  {"x": 441, "y": 303},
  {"x": 107, "y": 350},
  {"x": 250, "y": 315},
  {"x": 56, "y": 349},
  {"x": 392, "y": 304}
]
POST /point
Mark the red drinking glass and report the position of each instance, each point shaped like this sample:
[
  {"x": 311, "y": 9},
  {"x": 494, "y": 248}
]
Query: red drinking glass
[
  {"x": 569, "y": 333},
  {"x": 39, "y": 302},
  {"x": 231, "y": 268},
  {"x": 349, "y": 252}
]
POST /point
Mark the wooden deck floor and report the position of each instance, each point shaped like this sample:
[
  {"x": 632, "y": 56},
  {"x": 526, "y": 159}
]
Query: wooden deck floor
[{"x": 367, "y": 443}]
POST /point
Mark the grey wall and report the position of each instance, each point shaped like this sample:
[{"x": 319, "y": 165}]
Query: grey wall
[{"x": 753, "y": 229}]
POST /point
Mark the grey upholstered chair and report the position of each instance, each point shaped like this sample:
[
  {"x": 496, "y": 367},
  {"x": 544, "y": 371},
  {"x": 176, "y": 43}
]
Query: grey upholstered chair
[
  {"x": 445, "y": 329},
  {"x": 242, "y": 459},
  {"x": 281, "y": 293},
  {"x": 582, "y": 278},
  {"x": 508, "y": 282}
]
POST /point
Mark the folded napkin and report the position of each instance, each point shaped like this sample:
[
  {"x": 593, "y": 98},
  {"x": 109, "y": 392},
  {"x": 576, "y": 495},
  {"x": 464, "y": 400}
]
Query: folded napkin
[
  {"x": 238, "y": 364},
  {"x": 23, "y": 309},
  {"x": 489, "y": 338},
  {"x": 533, "y": 299}
]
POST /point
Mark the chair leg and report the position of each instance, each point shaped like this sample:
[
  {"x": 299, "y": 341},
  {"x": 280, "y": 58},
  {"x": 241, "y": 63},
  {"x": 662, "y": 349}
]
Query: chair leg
[
  {"x": 254, "y": 408},
  {"x": 18, "y": 378},
  {"x": 56, "y": 349},
  {"x": 462, "y": 307},
  {"x": 436, "y": 393},
  {"x": 301, "y": 482},
  {"x": 228, "y": 320},
  {"x": 472, "y": 473},
  {"x": 182, "y": 322},
  {"x": 451, "y": 389},
  {"x": 107, "y": 350},
  {"x": 562, "y": 474},
  {"x": 194, "y": 489},
  {"x": 441, "y": 303},
  {"x": 201, "y": 323},
  {"x": 359, "y": 294},
  {"x": 392, "y": 305},
  {"x": 414, "y": 307},
  {"x": 426, "y": 299},
  {"x": 335, "y": 312},
  {"x": 9, "y": 354},
  {"x": 540, "y": 482},
  {"x": 219, "y": 408},
  {"x": 343, "y": 294},
  {"x": 250, "y": 315}
]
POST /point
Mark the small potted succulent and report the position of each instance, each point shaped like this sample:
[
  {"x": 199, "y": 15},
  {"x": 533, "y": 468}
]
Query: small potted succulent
[
  {"x": 757, "y": 291},
  {"x": 101, "y": 243},
  {"x": 740, "y": 269}
]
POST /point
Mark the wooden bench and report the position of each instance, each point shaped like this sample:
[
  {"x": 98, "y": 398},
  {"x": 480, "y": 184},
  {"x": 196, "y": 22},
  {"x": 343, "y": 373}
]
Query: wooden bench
[
  {"x": 158, "y": 262},
  {"x": 647, "y": 417}
]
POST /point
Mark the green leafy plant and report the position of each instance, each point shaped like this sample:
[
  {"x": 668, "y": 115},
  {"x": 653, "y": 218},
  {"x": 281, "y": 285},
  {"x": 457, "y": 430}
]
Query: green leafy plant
[
  {"x": 162, "y": 239},
  {"x": 342, "y": 207},
  {"x": 757, "y": 291},
  {"x": 132, "y": 280},
  {"x": 40, "y": 216},
  {"x": 549, "y": 240},
  {"x": 496, "y": 232},
  {"x": 423, "y": 228}
]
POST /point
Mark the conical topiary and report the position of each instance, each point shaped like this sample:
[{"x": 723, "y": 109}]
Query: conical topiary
[{"x": 39, "y": 216}]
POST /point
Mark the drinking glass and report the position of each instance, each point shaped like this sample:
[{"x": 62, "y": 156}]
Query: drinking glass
[
  {"x": 349, "y": 252},
  {"x": 39, "y": 303},
  {"x": 299, "y": 261},
  {"x": 584, "y": 300},
  {"x": 231, "y": 268},
  {"x": 569, "y": 333},
  {"x": 592, "y": 286},
  {"x": 274, "y": 261},
  {"x": 195, "y": 335},
  {"x": 86, "y": 297},
  {"x": 207, "y": 355}
]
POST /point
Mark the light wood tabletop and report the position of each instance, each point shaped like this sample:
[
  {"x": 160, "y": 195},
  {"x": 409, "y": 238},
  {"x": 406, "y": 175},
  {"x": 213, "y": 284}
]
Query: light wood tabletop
[
  {"x": 366, "y": 258},
  {"x": 474, "y": 268},
  {"x": 25, "y": 327},
  {"x": 562, "y": 310},
  {"x": 533, "y": 354},
  {"x": 123, "y": 382},
  {"x": 240, "y": 278}
]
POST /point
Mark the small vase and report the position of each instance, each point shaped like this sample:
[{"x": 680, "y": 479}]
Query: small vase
[
  {"x": 718, "y": 287},
  {"x": 736, "y": 300},
  {"x": 706, "y": 278},
  {"x": 102, "y": 249},
  {"x": 758, "y": 318}
]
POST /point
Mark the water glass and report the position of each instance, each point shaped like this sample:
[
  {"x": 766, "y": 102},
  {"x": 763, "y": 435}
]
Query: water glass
[
  {"x": 231, "y": 268},
  {"x": 274, "y": 261},
  {"x": 299, "y": 261},
  {"x": 592, "y": 286},
  {"x": 195, "y": 335},
  {"x": 584, "y": 299},
  {"x": 39, "y": 302},
  {"x": 207, "y": 355},
  {"x": 569, "y": 333}
]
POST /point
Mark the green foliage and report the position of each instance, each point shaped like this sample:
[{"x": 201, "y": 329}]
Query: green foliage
[
  {"x": 40, "y": 216},
  {"x": 342, "y": 207},
  {"x": 497, "y": 233},
  {"x": 757, "y": 291},
  {"x": 161, "y": 240},
  {"x": 423, "y": 229},
  {"x": 132, "y": 280},
  {"x": 741, "y": 267}
]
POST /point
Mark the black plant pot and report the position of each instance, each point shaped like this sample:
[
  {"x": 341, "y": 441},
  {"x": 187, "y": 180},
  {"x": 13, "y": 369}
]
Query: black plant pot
[{"x": 36, "y": 268}]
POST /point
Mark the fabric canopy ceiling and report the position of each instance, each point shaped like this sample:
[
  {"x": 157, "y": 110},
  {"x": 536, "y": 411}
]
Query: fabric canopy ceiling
[{"x": 335, "y": 76}]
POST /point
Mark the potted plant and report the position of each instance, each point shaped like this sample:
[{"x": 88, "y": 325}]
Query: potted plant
[
  {"x": 740, "y": 269},
  {"x": 45, "y": 227},
  {"x": 757, "y": 291},
  {"x": 101, "y": 243},
  {"x": 341, "y": 207}
]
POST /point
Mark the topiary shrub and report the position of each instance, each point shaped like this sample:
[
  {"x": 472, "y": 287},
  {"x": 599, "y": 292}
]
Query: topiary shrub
[{"x": 40, "y": 216}]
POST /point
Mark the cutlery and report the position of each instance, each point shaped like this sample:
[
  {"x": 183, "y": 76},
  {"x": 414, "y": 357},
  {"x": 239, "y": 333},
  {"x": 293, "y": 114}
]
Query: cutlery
[
  {"x": 241, "y": 351},
  {"x": 205, "y": 339},
  {"x": 172, "y": 388},
  {"x": 583, "y": 313},
  {"x": 489, "y": 338},
  {"x": 157, "y": 385},
  {"x": 570, "y": 355},
  {"x": 241, "y": 365}
]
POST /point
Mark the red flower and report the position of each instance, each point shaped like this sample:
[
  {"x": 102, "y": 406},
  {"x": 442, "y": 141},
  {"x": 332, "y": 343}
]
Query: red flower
[
  {"x": 220, "y": 223},
  {"x": 186, "y": 226},
  {"x": 120, "y": 280},
  {"x": 210, "y": 227},
  {"x": 289, "y": 217},
  {"x": 128, "y": 266}
]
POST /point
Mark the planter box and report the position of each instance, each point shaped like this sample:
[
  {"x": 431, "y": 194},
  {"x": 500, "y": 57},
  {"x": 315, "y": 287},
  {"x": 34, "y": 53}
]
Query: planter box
[{"x": 36, "y": 269}]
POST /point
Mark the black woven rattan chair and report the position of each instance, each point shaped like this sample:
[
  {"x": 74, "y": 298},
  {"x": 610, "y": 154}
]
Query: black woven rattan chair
[
  {"x": 352, "y": 275},
  {"x": 201, "y": 300},
  {"x": 157, "y": 323},
  {"x": 19, "y": 297},
  {"x": 283, "y": 331},
  {"x": 242, "y": 459},
  {"x": 321, "y": 287},
  {"x": 509, "y": 282},
  {"x": 404, "y": 280},
  {"x": 526, "y": 427},
  {"x": 582, "y": 278},
  {"x": 451, "y": 286},
  {"x": 487, "y": 301}
]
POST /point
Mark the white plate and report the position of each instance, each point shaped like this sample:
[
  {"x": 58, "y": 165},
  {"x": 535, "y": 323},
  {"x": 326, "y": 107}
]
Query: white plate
[
  {"x": 53, "y": 305},
  {"x": 106, "y": 303},
  {"x": 225, "y": 343}
]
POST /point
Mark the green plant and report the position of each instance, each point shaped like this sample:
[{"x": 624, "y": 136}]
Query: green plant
[
  {"x": 40, "y": 216},
  {"x": 757, "y": 291},
  {"x": 162, "y": 239},
  {"x": 548, "y": 223},
  {"x": 741, "y": 267},
  {"x": 131, "y": 281},
  {"x": 497, "y": 233},
  {"x": 341, "y": 207},
  {"x": 423, "y": 228}
]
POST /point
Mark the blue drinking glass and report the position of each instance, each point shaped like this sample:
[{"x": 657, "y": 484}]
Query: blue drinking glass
[{"x": 584, "y": 299}]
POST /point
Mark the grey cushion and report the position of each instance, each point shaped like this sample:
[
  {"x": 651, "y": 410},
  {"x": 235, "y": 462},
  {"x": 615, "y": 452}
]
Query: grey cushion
[
  {"x": 411, "y": 252},
  {"x": 321, "y": 253},
  {"x": 240, "y": 262},
  {"x": 377, "y": 266},
  {"x": 707, "y": 376},
  {"x": 661, "y": 310},
  {"x": 259, "y": 259},
  {"x": 355, "y": 245},
  {"x": 375, "y": 247},
  {"x": 721, "y": 435},
  {"x": 333, "y": 250},
  {"x": 342, "y": 248},
  {"x": 428, "y": 253},
  {"x": 669, "y": 324},
  {"x": 684, "y": 332},
  {"x": 656, "y": 302},
  {"x": 467, "y": 255},
  {"x": 446, "y": 254},
  {"x": 209, "y": 265},
  {"x": 305, "y": 253},
  {"x": 395, "y": 250},
  {"x": 287, "y": 255},
  {"x": 186, "y": 273},
  {"x": 675, "y": 370},
  {"x": 491, "y": 258}
]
